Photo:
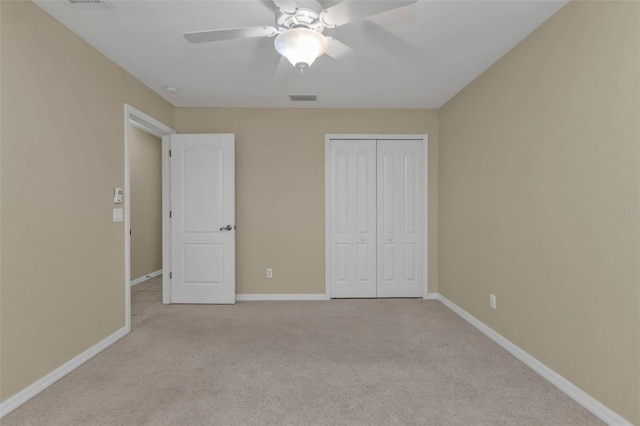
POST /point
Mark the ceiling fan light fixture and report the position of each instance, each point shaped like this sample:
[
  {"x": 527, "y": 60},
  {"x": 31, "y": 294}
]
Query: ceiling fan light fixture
[{"x": 301, "y": 46}]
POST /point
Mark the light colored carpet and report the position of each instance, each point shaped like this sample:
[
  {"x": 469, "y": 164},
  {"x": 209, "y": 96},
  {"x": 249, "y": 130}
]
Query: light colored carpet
[{"x": 340, "y": 362}]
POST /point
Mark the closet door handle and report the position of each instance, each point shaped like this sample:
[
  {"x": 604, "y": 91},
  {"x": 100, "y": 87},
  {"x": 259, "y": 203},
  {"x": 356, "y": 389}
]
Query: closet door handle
[{"x": 228, "y": 228}]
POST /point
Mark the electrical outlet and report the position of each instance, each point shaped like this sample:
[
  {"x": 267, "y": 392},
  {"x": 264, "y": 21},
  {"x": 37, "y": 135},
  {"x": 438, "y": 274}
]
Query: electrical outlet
[
  {"x": 492, "y": 300},
  {"x": 269, "y": 273}
]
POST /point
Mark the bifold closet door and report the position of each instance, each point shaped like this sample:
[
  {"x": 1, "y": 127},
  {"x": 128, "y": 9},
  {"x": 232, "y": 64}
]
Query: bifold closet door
[
  {"x": 375, "y": 218},
  {"x": 352, "y": 218},
  {"x": 399, "y": 218}
]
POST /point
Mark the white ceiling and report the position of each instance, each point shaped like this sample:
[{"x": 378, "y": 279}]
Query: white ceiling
[{"x": 417, "y": 56}]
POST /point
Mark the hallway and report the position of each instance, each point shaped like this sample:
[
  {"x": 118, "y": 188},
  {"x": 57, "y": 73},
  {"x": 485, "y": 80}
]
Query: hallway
[{"x": 146, "y": 300}]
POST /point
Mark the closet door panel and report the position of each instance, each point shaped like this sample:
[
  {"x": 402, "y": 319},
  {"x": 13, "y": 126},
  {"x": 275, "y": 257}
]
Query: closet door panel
[
  {"x": 352, "y": 219},
  {"x": 399, "y": 224}
]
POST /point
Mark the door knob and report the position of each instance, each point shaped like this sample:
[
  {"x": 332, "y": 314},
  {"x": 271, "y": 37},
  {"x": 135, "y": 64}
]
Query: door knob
[{"x": 228, "y": 228}]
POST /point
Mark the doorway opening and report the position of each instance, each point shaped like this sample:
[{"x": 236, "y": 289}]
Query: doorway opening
[{"x": 146, "y": 192}]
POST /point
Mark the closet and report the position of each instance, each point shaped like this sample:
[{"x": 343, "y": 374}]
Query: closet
[{"x": 375, "y": 218}]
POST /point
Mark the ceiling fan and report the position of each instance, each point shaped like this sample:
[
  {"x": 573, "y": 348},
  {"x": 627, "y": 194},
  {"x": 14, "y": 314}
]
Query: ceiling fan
[{"x": 298, "y": 31}]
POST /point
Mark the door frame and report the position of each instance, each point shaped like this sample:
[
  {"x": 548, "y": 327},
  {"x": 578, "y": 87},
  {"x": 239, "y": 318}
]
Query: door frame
[
  {"x": 149, "y": 124},
  {"x": 425, "y": 199}
]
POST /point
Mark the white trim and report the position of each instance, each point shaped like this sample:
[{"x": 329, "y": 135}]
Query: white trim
[
  {"x": 41, "y": 384},
  {"x": 425, "y": 216},
  {"x": 140, "y": 126},
  {"x": 166, "y": 223},
  {"x": 327, "y": 215},
  {"x": 146, "y": 277},
  {"x": 431, "y": 296},
  {"x": 374, "y": 136},
  {"x": 425, "y": 200},
  {"x": 149, "y": 124},
  {"x": 279, "y": 297},
  {"x": 601, "y": 411}
]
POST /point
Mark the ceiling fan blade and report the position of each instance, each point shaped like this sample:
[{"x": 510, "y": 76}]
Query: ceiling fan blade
[
  {"x": 396, "y": 17},
  {"x": 230, "y": 34},
  {"x": 349, "y": 11},
  {"x": 393, "y": 45},
  {"x": 336, "y": 49},
  {"x": 311, "y": 4},
  {"x": 286, "y": 6},
  {"x": 262, "y": 56}
]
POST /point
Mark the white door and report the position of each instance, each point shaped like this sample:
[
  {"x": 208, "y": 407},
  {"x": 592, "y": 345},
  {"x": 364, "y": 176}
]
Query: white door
[
  {"x": 375, "y": 218},
  {"x": 352, "y": 218},
  {"x": 202, "y": 218},
  {"x": 399, "y": 218}
]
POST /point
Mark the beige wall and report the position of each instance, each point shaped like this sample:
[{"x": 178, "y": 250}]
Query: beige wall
[
  {"x": 536, "y": 154},
  {"x": 63, "y": 153},
  {"x": 145, "y": 152},
  {"x": 533, "y": 156},
  {"x": 280, "y": 185}
]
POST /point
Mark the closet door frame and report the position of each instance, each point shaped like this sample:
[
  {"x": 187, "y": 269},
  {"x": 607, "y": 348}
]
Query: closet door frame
[{"x": 425, "y": 200}]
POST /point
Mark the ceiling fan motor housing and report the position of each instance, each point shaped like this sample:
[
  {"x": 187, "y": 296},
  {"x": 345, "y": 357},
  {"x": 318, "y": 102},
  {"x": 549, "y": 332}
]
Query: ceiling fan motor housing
[{"x": 305, "y": 18}]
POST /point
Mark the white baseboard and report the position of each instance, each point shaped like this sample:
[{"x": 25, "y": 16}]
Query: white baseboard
[
  {"x": 431, "y": 296},
  {"x": 604, "y": 413},
  {"x": 281, "y": 297},
  {"x": 35, "y": 388},
  {"x": 146, "y": 277}
]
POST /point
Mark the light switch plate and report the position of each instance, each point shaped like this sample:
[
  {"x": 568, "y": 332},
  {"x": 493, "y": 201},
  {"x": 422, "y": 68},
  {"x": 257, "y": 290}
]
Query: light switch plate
[{"x": 118, "y": 215}]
